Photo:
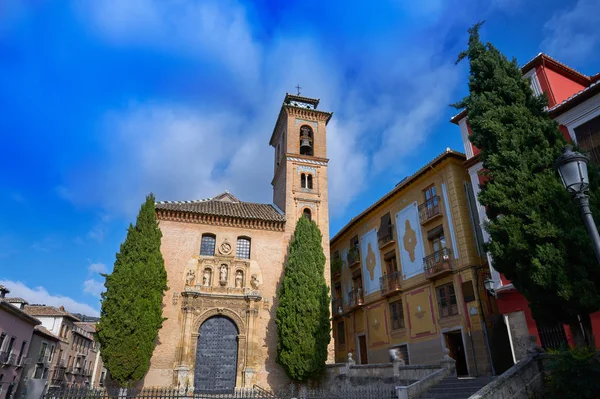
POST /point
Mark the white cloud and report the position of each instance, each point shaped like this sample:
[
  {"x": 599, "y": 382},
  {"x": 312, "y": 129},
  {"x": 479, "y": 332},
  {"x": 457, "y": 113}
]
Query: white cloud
[
  {"x": 97, "y": 268},
  {"x": 47, "y": 244},
  {"x": 93, "y": 287},
  {"x": 572, "y": 33},
  {"x": 39, "y": 295}
]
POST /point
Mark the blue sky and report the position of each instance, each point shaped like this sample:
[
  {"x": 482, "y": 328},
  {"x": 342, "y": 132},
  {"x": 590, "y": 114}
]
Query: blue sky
[{"x": 105, "y": 101}]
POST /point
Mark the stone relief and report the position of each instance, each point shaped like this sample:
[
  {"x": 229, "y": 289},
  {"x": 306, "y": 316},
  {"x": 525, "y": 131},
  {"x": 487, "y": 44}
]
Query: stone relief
[
  {"x": 254, "y": 281},
  {"x": 225, "y": 248},
  {"x": 190, "y": 278}
]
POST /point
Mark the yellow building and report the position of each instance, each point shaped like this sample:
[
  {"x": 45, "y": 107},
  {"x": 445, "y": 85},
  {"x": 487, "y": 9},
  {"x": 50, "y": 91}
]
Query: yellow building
[{"x": 407, "y": 274}]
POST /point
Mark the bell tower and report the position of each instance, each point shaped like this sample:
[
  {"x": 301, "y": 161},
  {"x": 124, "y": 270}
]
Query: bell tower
[{"x": 300, "y": 162}]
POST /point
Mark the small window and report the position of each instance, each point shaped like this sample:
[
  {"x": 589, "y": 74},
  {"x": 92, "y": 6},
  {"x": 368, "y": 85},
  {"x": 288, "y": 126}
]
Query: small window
[
  {"x": 306, "y": 213},
  {"x": 309, "y": 181},
  {"x": 243, "y": 248},
  {"x": 403, "y": 353},
  {"x": 447, "y": 300},
  {"x": 207, "y": 248},
  {"x": 468, "y": 291},
  {"x": 437, "y": 239},
  {"x": 303, "y": 180},
  {"x": 429, "y": 192},
  {"x": 390, "y": 262},
  {"x": 341, "y": 333},
  {"x": 396, "y": 315}
]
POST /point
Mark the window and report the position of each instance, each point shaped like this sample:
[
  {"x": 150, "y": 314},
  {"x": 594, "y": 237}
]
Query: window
[
  {"x": 2, "y": 338},
  {"x": 429, "y": 192},
  {"x": 403, "y": 353},
  {"x": 303, "y": 180},
  {"x": 39, "y": 370},
  {"x": 436, "y": 238},
  {"x": 306, "y": 213},
  {"x": 390, "y": 262},
  {"x": 468, "y": 291},
  {"x": 309, "y": 183},
  {"x": 396, "y": 315},
  {"x": 588, "y": 138},
  {"x": 22, "y": 351},
  {"x": 341, "y": 333},
  {"x": 385, "y": 233},
  {"x": 277, "y": 155},
  {"x": 207, "y": 247},
  {"x": 243, "y": 248},
  {"x": 11, "y": 343},
  {"x": 42, "y": 352},
  {"x": 306, "y": 140},
  {"x": 447, "y": 300}
]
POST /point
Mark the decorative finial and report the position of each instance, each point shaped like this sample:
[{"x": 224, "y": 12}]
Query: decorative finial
[{"x": 298, "y": 88}]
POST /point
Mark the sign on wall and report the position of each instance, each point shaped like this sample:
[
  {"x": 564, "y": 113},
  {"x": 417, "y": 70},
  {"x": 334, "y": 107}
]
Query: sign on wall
[
  {"x": 371, "y": 265},
  {"x": 410, "y": 241}
]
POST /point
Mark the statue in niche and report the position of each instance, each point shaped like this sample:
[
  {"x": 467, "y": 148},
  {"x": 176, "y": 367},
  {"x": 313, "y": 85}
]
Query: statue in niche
[
  {"x": 254, "y": 281},
  {"x": 223, "y": 275},
  {"x": 410, "y": 240},
  {"x": 190, "y": 277},
  {"x": 207, "y": 277},
  {"x": 371, "y": 262},
  {"x": 239, "y": 279}
]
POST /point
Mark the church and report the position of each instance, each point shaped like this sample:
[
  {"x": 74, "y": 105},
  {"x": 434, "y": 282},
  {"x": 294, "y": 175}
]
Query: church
[{"x": 225, "y": 259}]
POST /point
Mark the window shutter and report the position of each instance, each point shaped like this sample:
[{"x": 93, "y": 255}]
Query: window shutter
[{"x": 383, "y": 227}]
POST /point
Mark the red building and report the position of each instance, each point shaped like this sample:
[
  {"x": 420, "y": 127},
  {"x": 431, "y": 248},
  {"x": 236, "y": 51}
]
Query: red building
[{"x": 573, "y": 102}]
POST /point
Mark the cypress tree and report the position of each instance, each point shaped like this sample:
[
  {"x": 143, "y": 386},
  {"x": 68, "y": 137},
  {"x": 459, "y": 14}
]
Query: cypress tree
[
  {"x": 538, "y": 239},
  {"x": 131, "y": 312},
  {"x": 302, "y": 314}
]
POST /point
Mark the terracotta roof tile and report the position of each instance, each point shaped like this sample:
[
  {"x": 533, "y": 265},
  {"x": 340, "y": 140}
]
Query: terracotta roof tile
[
  {"x": 16, "y": 300},
  {"x": 42, "y": 330},
  {"x": 43, "y": 310},
  {"x": 217, "y": 206}
]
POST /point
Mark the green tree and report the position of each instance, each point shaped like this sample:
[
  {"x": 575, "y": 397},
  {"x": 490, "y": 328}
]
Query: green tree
[
  {"x": 538, "y": 239},
  {"x": 302, "y": 314},
  {"x": 131, "y": 312}
]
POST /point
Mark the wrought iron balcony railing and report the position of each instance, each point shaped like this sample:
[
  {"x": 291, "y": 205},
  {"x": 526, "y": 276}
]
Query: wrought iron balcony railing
[
  {"x": 429, "y": 209},
  {"x": 353, "y": 257},
  {"x": 439, "y": 263},
  {"x": 356, "y": 297},
  {"x": 390, "y": 283},
  {"x": 387, "y": 236}
]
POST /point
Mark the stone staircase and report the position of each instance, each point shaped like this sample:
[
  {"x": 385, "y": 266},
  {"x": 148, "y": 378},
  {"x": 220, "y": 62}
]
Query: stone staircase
[{"x": 456, "y": 388}]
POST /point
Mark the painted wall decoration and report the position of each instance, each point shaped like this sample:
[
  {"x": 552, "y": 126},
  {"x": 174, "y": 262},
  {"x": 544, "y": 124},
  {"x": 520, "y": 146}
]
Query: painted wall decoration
[
  {"x": 371, "y": 264},
  {"x": 421, "y": 320},
  {"x": 410, "y": 241},
  {"x": 346, "y": 277}
]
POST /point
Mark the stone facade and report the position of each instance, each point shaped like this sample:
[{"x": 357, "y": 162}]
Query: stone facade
[
  {"x": 413, "y": 279},
  {"x": 223, "y": 281}
]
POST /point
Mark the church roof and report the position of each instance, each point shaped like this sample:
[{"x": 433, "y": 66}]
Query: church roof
[{"x": 225, "y": 205}]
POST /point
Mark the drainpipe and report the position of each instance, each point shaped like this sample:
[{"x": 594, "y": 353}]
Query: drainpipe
[
  {"x": 483, "y": 322},
  {"x": 512, "y": 347}
]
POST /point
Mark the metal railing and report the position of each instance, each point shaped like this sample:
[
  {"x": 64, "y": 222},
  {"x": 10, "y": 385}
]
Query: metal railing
[
  {"x": 353, "y": 256},
  {"x": 336, "y": 306},
  {"x": 233, "y": 393},
  {"x": 390, "y": 282},
  {"x": 356, "y": 297},
  {"x": 386, "y": 236},
  {"x": 429, "y": 209},
  {"x": 438, "y": 262}
]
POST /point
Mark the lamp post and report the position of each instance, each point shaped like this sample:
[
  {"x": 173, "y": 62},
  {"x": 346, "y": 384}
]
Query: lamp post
[
  {"x": 572, "y": 168},
  {"x": 489, "y": 287}
]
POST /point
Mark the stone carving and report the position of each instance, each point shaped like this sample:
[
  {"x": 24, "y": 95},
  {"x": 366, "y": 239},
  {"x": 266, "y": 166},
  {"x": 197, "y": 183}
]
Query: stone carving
[
  {"x": 175, "y": 297},
  {"x": 371, "y": 262},
  {"x": 254, "y": 281},
  {"x": 410, "y": 240},
  {"x": 223, "y": 275},
  {"x": 349, "y": 360},
  {"x": 190, "y": 278},
  {"x": 225, "y": 248},
  {"x": 207, "y": 277},
  {"x": 239, "y": 279}
]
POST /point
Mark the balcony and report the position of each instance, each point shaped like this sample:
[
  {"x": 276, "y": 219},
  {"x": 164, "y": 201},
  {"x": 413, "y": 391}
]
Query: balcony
[
  {"x": 336, "y": 307},
  {"x": 23, "y": 361},
  {"x": 336, "y": 268},
  {"x": 356, "y": 298},
  {"x": 8, "y": 359},
  {"x": 386, "y": 237},
  {"x": 390, "y": 283},
  {"x": 43, "y": 359},
  {"x": 353, "y": 257},
  {"x": 438, "y": 264},
  {"x": 429, "y": 209}
]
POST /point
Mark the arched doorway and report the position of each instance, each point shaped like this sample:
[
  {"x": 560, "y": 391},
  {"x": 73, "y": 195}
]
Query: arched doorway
[{"x": 216, "y": 355}]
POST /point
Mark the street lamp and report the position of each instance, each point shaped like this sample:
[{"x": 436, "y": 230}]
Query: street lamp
[
  {"x": 572, "y": 168},
  {"x": 489, "y": 287}
]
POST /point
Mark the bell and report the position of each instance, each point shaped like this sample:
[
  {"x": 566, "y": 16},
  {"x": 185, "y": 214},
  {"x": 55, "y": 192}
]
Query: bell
[{"x": 305, "y": 143}]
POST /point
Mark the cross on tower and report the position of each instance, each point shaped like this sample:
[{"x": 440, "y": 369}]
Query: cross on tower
[{"x": 298, "y": 88}]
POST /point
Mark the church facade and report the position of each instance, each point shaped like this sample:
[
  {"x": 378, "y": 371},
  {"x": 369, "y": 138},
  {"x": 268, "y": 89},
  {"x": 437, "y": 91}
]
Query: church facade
[{"x": 225, "y": 259}]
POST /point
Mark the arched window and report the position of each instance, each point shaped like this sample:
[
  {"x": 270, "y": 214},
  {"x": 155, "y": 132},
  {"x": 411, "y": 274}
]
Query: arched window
[
  {"x": 309, "y": 181},
  {"x": 207, "y": 247},
  {"x": 306, "y": 140},
  {"x": 243, "y": 248},
  {"x": 303, "y": 180},
  {"x": 306, "y": 213}
]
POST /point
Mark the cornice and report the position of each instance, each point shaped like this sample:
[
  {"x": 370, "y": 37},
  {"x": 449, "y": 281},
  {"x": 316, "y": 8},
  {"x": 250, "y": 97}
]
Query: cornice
[
  {"x": 321, "y": 116},
  {"x": 216, "y": 220}
]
